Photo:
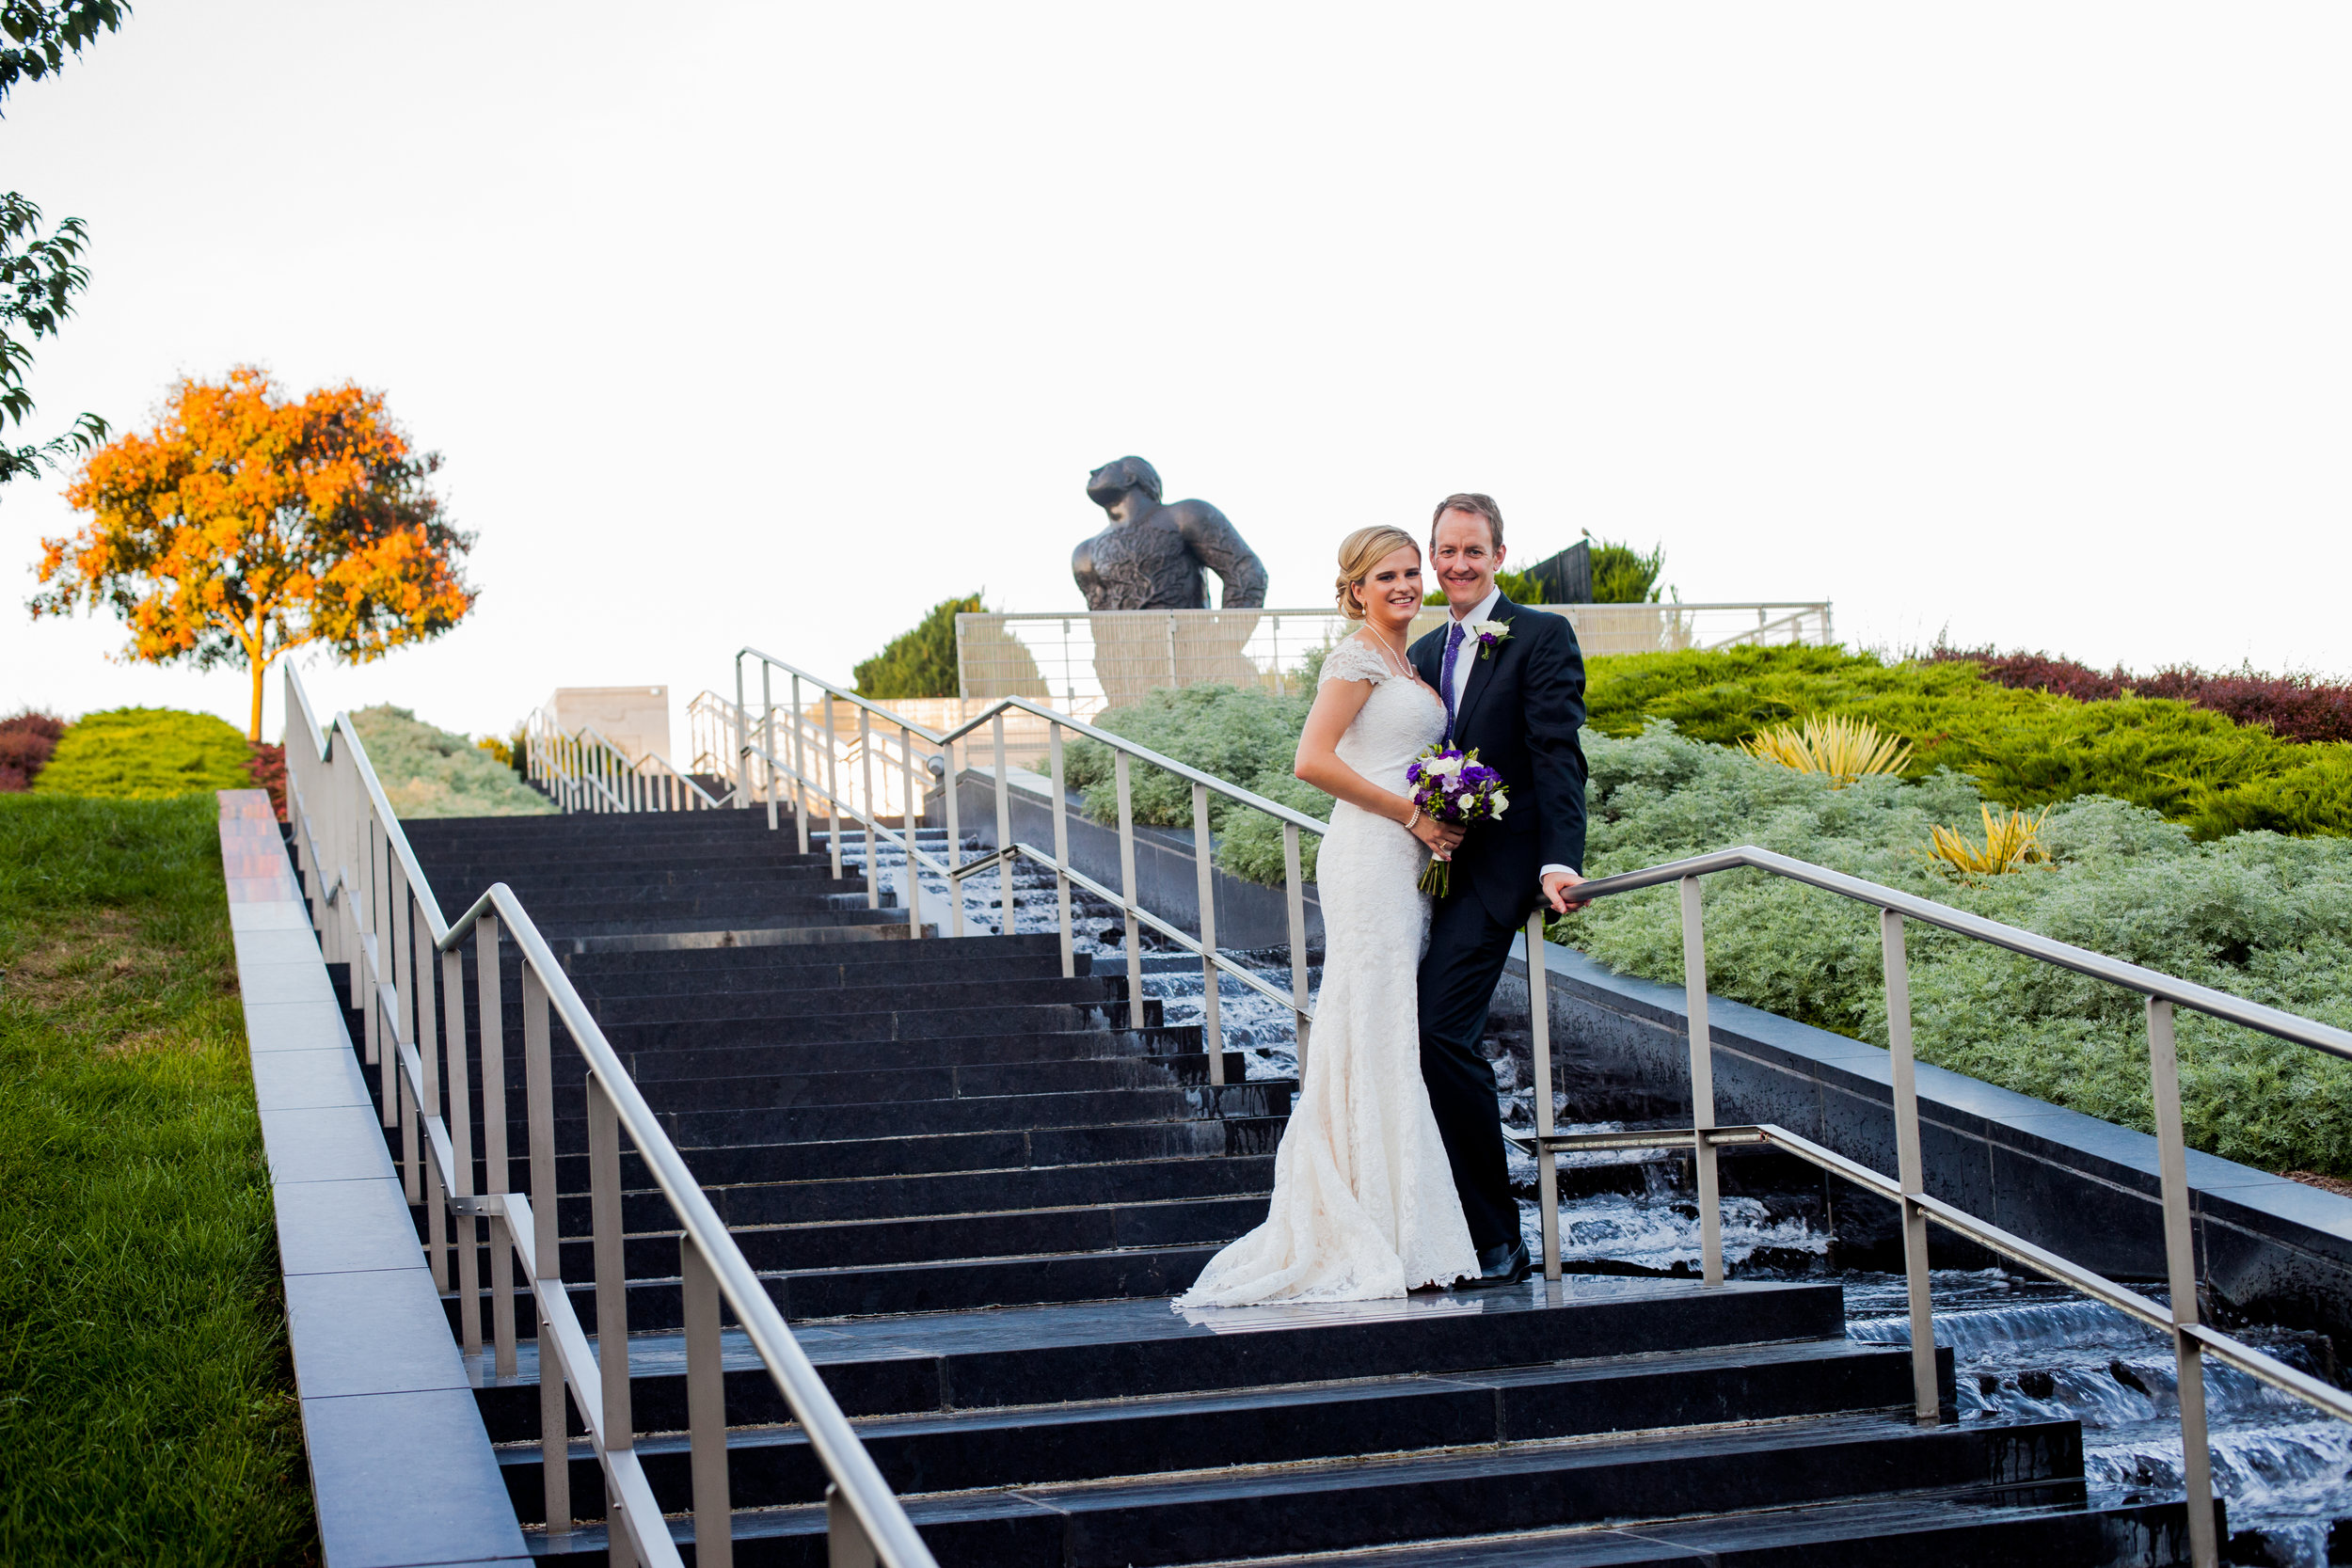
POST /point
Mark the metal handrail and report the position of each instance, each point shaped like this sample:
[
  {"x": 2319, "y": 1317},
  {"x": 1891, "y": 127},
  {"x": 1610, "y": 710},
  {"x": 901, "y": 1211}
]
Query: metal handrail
[
  {"x": 2180, "y": 1317},
  {"x": 2032, "y": 945},
  {"x": 620, "y": 782},
  {"x": 796, "y": 775},
  {"x": 391, "y": 927}
]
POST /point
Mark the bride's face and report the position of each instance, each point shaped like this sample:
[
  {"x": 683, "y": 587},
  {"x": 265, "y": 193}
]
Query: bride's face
[{"x": 1391, "y": 591}]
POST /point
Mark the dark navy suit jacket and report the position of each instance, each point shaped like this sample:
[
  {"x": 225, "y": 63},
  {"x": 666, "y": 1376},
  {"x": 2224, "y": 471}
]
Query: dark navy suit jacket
[{"x": 1521, "y": 708}]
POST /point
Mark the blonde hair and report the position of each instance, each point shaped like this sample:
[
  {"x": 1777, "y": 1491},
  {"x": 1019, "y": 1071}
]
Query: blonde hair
[{"x": 1359, "y": 552}]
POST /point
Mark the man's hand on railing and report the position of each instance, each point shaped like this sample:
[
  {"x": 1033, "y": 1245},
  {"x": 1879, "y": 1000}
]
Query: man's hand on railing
[{"x": 1558, "y": 891}]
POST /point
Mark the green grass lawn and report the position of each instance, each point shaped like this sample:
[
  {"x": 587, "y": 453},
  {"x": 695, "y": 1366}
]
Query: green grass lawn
[{"x": 147, "y": 1402}]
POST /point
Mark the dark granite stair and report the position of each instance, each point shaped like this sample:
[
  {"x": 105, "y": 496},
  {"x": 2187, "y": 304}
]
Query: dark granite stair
[{"x": 973, "y": 1189}]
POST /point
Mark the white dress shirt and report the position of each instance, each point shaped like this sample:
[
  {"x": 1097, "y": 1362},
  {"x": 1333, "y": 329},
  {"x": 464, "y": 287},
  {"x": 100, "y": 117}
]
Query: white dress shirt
[{"x": 1466, "y": 658}]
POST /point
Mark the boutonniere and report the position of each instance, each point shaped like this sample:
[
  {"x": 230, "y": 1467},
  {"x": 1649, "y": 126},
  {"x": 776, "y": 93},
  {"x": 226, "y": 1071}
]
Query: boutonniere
[{"x": 1489, "y": 635}]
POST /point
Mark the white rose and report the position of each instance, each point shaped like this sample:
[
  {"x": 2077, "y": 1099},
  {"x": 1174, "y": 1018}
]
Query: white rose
[{"x": 1501, "y": 803}]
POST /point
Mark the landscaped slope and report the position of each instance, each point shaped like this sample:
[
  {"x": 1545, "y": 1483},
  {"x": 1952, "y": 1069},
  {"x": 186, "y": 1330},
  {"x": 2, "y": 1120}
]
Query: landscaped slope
[
  {"x": 2257, "y": 914},
  {"x": 432, "y": 772},
  {"x": 2155, "y": 863}
]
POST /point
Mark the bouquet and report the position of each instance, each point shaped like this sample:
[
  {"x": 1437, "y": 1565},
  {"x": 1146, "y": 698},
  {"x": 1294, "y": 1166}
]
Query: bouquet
[{"x": 1454, "y": 787}]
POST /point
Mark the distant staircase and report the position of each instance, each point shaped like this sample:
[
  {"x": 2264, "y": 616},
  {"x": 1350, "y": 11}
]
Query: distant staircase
[{"x": 972, "y": 1188}]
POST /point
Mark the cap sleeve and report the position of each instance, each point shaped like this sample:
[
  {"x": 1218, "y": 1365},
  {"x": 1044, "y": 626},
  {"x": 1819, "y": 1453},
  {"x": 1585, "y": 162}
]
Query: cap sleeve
[{"x": 1352, "y": 661}]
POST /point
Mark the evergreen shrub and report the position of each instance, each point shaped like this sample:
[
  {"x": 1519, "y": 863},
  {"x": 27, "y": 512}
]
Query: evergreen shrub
[
  {"x": 2256, "y": 914},
  {"x": 27, "y": 740},
  {"x": 146, "y": 754},
  {"x": 427, "y": 772},
  {"x": 2026, "y": 747},
  {"x": 2297, "y": 707},
  {"x": 2193, "y": 879},
  {"x": 923, "y": 663}
]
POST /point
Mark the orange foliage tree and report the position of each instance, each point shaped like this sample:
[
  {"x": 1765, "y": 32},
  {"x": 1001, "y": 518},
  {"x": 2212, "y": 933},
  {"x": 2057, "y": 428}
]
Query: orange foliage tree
[{"x": 247, "y": 523}]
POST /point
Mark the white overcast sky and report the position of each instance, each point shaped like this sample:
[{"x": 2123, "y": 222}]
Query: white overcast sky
[{"x": 778, "y": 324}]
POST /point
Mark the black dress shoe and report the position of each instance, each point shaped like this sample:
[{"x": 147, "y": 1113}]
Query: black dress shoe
[{"x": 1507, "y": 1264}]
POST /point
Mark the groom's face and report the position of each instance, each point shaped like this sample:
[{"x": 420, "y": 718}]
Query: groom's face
[{"x": 1463, "y": 550}]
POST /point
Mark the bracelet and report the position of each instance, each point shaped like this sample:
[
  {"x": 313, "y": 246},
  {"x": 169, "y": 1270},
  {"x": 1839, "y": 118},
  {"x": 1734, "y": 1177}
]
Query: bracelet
[{"x": 1414, "y": 818}]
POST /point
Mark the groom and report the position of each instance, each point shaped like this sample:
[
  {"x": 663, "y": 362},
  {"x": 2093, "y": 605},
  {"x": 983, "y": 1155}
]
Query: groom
[{"x": 1520, "y": 704}]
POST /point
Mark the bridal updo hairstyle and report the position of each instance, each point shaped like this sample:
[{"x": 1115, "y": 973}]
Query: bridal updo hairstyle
[{"x": 1359, "y": 552}]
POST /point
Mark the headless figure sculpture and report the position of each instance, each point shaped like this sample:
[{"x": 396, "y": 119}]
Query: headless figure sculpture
[{"x": 1154, "y": 555}]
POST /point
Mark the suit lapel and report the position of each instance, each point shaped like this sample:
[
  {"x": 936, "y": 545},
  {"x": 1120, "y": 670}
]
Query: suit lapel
[{"x": 1482, "y": 669}]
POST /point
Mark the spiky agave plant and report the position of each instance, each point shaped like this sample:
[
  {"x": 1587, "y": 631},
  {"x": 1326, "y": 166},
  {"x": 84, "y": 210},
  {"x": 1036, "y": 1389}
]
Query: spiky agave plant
[
  {"x": 2013, "y": 841},
  {"x": 1843, "y": 748}
]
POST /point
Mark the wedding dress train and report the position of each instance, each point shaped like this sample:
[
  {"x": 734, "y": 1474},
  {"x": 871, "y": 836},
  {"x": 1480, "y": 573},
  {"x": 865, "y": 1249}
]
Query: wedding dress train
[{"x": 1364, "y": 1205}]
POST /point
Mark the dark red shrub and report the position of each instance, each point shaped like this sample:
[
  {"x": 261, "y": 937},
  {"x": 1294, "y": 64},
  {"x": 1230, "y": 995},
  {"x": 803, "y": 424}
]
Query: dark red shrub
[
  {"x": 27, "y": 740},
  {"x": 268, "y": 768},
  {"x": 2295, "y": 707}
]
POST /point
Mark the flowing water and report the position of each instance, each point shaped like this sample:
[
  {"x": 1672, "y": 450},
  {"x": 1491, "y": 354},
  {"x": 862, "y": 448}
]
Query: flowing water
[{"x": 2022, "y": 1346}]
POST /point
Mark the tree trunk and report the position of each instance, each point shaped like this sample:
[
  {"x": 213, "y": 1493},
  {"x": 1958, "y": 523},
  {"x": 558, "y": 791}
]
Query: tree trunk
[{"x": 260, "y": 673}]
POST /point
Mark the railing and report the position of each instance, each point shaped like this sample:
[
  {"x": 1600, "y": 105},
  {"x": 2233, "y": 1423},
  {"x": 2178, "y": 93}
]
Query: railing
[
  {"x": 1083, "y": 663},
  {"x": 585, "y": 771},
  {"x": 2192, "y": 1340},
  {"x": 848, "y": 757},
  {"x": 813, "y": 714},
  {"x": 375, "y": 912}
]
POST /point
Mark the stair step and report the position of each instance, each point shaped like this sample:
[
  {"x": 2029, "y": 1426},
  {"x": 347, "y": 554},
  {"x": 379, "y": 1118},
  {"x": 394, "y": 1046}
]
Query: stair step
[
  {"x": 1350, "y": 1505},
  {"x": 729, "y": 958},
  {"x": 1096, "y": 1440},
  {"x": 1137, "y": 1349},
  {"x": 973, "y": 1191}
]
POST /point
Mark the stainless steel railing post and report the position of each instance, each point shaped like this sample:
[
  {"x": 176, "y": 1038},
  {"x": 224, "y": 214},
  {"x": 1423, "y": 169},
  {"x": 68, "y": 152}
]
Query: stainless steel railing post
[
  {"x": 617, "y": 1430},
  {"x": 952, "y": 787},
  {"x": 1134, "y": 940},
  {"x": 391, "y": 943},
  {"x": 546, "y": 1251},
  {"x": 1295, "y": 898},
  {"x": 1539, "y": 1035},
  {"x": 438, "y": 1230},
  {"x": 767, "y": 742},
  {"x": 496, "y": 1174},
  {"x": 832, "y": 790},
  {"x": 742, "y": 742},
  {"x": 845, "y": 1544},
  {"x": 1004, "y": 833},
  {"x": 799, "y": 766},
  {"x": 1061, "y": 852},
  {"x": 1212, "y": 1028},
  {"x": 1702, "y": 1085},
  {"x": 1910, "y": 1168},
  {"x": 461, "y": 1154},
  {"x": 873, "y": 808},
  {"x": 705, "y": 1408},
  {"x": 910, "y": 810},
  {"x": 2180, "y": 1259}
]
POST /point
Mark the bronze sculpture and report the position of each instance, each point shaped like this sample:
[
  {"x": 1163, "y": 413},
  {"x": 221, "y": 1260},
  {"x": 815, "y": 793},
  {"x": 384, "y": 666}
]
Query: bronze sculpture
[{"x": 1153, "y": 554}]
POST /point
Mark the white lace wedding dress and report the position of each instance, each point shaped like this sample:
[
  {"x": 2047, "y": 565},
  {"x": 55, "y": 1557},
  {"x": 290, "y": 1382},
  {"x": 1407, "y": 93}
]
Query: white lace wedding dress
[{"x": 1364, "y": 1203}]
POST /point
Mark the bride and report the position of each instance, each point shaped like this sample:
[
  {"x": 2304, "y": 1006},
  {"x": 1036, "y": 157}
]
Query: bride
[{"x": 1364, "y": 1204}]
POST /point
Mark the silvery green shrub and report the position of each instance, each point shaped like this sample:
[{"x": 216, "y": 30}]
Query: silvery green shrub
[
  {"x": 2257, "y": 914},
  {"x": 2262, "y": 916}
]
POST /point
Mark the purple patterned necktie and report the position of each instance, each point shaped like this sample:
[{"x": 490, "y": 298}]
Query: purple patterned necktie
[{"x": 1445, "y": 677}]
